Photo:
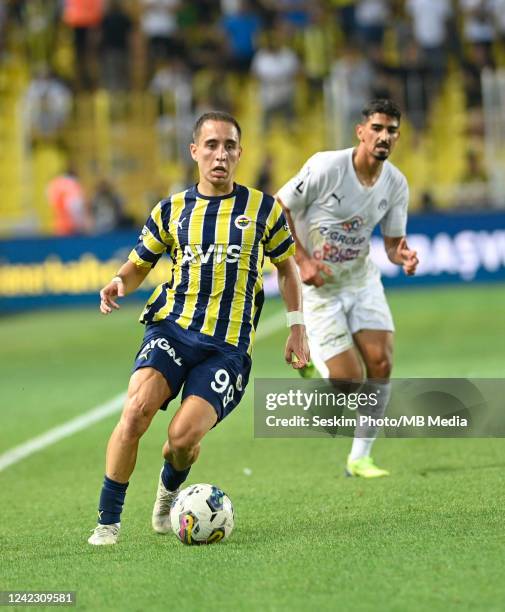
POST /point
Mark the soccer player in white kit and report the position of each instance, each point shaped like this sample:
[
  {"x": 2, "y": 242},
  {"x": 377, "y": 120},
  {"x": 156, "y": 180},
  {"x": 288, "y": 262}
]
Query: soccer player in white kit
[{"x": 332, "y": 206}]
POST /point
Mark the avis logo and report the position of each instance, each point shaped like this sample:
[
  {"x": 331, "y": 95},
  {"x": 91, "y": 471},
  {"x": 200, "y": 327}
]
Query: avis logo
[
  {"x": 163, "y": 345},
  {"x": 194, "y": 253},
  {"x": 353, "y": 224}
]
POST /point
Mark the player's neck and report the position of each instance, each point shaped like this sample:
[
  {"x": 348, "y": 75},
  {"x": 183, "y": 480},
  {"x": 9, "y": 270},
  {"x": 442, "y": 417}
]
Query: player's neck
[
  {"x": 209, "y": 190},
  {"x": 368, "y": 169}
]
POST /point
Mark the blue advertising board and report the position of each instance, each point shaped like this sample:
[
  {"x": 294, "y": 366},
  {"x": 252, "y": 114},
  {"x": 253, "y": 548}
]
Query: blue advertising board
[{"x": 452, "y": 248}]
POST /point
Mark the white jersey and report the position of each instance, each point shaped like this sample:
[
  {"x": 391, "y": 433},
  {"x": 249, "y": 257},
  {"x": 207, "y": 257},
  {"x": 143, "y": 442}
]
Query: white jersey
[{"x": 334, "y": 214}]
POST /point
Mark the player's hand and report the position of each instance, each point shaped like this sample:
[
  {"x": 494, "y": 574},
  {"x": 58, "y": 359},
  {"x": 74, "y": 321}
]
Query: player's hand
[
  {"x": 310, "y": 271},
  {"x": 297, "y": 352},
  {"x": 408, "y": 258},
  {"x": 108, "y": 295}
]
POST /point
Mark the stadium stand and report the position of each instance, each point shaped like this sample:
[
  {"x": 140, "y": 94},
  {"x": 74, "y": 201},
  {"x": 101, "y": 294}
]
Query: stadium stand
[{"x": 134, "y": 133}]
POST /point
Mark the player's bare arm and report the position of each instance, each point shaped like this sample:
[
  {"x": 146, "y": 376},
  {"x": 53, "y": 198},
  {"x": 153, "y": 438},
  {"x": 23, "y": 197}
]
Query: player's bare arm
[
  {"x": 126, "y": 281},
  {"x": 310, "y": 268},
  {"x": 290, "y": 288},
  {"x": 400, "y": 254}
]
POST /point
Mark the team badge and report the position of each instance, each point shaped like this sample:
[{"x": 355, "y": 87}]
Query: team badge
[{"x": 242, "y": 222}]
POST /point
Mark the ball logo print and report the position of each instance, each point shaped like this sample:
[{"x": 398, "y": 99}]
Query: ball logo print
[{"x": 202, "y": 514}]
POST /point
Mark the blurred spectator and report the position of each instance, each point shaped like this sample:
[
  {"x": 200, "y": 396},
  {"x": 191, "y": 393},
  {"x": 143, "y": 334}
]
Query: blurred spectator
[
  {"x": 294, "y": 13},
  {"x": 473, "y": 64},
  {"x": 84, "y": 17},
  {"x": 108, "y": 210},
  {"x": 172, "y": 87},
  {"x": 115, "y": 47},
  {"x": 241, "y": 30},
  {"x": 276, "y": 67},
  {"x": 70, "y": 208},
  {"x": 478, "y": 25},
  {"x": 159, "y": 25},
  {"x": 318, "y": 44},
  {"x": 346, "y": 17},
  {"x": 171, "y": 84},
  {"x": 211, "y": 89},
  {"x": 355, "y": 75},
  {"x": 40, "y": 18},
  {"x": 499, "y": 19},
  {"x": 474, "y": 187},
  {"x": 230, "y": 7},
  {"x": 412, "y": 74},
  {"x": 371, "y": 19},
  {"x": 47, "y": 105},
  {"x": 430, "y": 20},
  {"x": 207, "y": 48}
]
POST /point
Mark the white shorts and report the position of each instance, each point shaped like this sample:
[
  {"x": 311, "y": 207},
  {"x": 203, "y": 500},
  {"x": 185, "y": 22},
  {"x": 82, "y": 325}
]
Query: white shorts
[{"x": 331, "y": 318}]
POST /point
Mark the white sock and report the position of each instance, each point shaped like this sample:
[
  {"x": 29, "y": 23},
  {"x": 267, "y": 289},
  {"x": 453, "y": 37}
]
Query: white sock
[
  {"x": 361, "y": 447},
  {"x": 365, "y": 435}
]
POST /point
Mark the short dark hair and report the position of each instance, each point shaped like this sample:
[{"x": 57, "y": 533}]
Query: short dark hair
[
  {"x": 215, "y": 116},
  {"x": 384, "y": 106}
]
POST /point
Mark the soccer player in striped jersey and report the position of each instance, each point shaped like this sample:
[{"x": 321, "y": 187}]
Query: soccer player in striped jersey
[{"x": 200, "y": 323}]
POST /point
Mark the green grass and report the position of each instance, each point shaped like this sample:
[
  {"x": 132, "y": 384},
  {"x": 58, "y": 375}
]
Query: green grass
[{"x": 428, "y": 538}]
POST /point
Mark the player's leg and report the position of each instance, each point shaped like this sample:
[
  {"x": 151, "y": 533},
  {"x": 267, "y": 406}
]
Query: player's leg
[
  {"x": 189, "y": 425},
  {"x": 213, "y": 388},
  {"x": 376, "y": 349},
  {"x": 332, "y": 350},
  {"x": 147, "y": 391},
  {"x": 159, "y": 371},
  {"x": 372, "y": 327}
]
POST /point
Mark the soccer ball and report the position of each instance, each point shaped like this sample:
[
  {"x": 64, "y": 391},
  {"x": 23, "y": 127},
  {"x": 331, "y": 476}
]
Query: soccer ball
[{"x": 202, "y": 514}]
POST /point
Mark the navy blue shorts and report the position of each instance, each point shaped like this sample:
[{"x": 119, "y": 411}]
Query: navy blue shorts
[{"x": 216, "y": 372}]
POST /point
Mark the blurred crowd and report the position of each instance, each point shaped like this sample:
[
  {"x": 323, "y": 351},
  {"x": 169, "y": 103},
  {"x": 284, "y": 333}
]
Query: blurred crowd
[{"x": 185, "y": 52}]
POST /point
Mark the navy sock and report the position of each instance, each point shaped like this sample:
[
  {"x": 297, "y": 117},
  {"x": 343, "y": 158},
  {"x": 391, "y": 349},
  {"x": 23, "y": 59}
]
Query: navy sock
[
  {"x": 111, "y": 501},
  {"x": 173, "y": 478}
]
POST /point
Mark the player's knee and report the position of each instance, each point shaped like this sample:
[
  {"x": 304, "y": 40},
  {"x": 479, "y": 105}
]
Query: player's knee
[
  {"x": 380, "y": 367},
  {"x": 136, "y": 418},
  {"x": 349, "y": 373},
  {"x": 182, "y": 441}
]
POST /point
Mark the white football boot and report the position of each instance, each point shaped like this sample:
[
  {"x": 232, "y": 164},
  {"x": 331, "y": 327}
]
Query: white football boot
[
  {"x": 161, "y": 511},
  {"x": 105, "y": 534}
]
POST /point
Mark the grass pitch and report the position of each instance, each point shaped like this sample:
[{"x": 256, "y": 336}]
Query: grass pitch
[{"x": 430, "y": 537}]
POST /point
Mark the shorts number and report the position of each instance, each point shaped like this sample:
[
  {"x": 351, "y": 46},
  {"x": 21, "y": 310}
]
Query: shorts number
[
  {"x": 221, "y": 381},
  {"x": 221, "y": 384}
]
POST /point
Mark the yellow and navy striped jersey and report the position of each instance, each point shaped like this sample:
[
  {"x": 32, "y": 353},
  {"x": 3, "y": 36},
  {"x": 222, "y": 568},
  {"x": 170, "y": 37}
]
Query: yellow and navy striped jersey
[{"x": 218, "y": 246}]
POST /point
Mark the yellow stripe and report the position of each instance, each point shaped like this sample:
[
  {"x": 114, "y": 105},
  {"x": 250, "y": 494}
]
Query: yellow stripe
[
  {"x": 195, "y": 237},
  {"x": 138, "y": 261},
  {"x": 244, "y": 267},
  {"x": 290, "y": 251},
  {"x": 222, "y": 234},
  {"x": 155, "y": 246},
  {"x": 152, "y": 298},
  {"x": 156, "y": 217},
  {"x": 257, "y": 287},
  {"x": 175, "y": 214}
]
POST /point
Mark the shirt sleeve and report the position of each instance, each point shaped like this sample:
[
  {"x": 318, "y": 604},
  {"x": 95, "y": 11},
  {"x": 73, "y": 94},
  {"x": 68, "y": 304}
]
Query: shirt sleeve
[
  {"x": 394, "y": 222},
  {"x": 279, "y": 243},
  {"x": 298, "y": 193},
  {"x": 154, "y": 240}
]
